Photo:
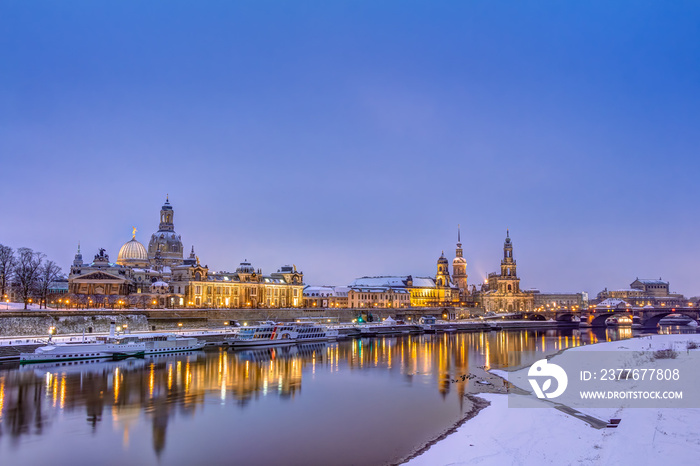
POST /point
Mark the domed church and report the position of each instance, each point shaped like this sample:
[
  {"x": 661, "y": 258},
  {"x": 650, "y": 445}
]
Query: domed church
[
  {"x": 159, "y": 276},
  {"x": 165, "y": 247}
]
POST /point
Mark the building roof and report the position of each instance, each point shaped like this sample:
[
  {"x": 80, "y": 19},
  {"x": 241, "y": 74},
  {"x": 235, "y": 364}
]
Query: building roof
[
  {"x": 132, "y": 251},
  {"x": 613, "y": 302},
  {"x": 646, "y": 281}
]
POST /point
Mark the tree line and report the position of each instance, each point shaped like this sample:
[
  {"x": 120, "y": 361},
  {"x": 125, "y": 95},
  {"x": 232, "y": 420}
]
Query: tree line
[{"x": 28, "y": 273}]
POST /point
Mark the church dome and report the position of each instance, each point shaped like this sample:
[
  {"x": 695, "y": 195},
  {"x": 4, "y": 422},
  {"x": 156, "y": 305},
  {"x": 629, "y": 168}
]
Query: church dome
[{"x": 132, "y": 253}]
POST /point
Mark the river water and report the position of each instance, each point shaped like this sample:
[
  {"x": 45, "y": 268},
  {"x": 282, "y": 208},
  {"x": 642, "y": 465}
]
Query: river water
[{"x": 365, "y": 401}]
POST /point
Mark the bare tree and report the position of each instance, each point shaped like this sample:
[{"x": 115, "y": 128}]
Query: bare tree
[
  {"x": 48, "y": 273},
  {"x": 112, "y": 300},
  {"x": 7, "y": 265},
  {"x": 26, "y": 273},
  {"x": 133, "y": 300}
]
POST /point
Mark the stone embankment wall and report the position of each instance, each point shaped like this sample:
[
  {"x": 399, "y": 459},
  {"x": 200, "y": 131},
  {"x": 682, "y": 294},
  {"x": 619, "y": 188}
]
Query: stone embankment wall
[
  {"x": 40, "y": 324},
  {"x": 19, "y": 323}
]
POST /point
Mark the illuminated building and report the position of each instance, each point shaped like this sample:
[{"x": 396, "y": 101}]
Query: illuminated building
[
  {"x": 502, "y": 292},
  {"x": 159, "y": 276},
  {"x": 406, "y": 290},
  {"x": 459, "y": 269},
  {"x": 645, "y": 292},
  {"x": 326, "y": 296}
]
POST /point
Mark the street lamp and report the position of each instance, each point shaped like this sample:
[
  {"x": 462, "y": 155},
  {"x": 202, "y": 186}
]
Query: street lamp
[{"x": 179, "y": 324}]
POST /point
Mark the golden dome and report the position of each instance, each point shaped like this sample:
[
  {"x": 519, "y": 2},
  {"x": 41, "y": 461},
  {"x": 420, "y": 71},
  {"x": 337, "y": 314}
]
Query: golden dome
[{"x": 133, "y": 253}]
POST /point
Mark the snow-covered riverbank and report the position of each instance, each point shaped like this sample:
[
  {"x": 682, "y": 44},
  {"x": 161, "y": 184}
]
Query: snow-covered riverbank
[{"x": 501, "y": 435}]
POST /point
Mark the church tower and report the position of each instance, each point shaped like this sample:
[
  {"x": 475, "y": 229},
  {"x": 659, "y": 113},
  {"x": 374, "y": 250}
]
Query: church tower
[
  {"x": 165, "y": 247},
  {"x": 509, "y": 282},
  {"x": 459, "y": 268},
  {"x": 442, "y": 279},
  {"x": 166, "y": 217}
]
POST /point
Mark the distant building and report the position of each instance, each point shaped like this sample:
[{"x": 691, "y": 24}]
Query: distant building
[
  {"x": 551, "y": 300},
  {"x": 502, "y": 291},
  {"x": 613, "y": 304},
  {"x": 646, "y": 292},
  {"x": 326, "y": 296}
]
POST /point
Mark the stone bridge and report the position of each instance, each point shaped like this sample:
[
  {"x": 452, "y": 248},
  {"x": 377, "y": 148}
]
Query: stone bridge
[
  {"x": 648, "y": 317},
  {"x": 560, "y": 315}
]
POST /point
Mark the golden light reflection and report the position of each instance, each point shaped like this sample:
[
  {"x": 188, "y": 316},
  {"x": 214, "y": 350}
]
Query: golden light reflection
[
  {"x": 117, "y": 384},
  {"x": 63, "y": 391},
  {"x": 55, "y": 392},
  {"x": 151, "y": 379},
  {"x": 2, "y": 396}
]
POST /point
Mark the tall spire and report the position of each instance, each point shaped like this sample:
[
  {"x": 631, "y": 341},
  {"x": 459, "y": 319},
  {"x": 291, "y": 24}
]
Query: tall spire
[{"x": 459, "y": 236}]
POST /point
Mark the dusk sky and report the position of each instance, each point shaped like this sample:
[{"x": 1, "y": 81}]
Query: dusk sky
[{"x": 351, "y": 137}]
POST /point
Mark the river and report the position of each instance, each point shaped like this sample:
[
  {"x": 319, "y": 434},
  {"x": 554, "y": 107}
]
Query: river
[{"x": 364, "y": 401}]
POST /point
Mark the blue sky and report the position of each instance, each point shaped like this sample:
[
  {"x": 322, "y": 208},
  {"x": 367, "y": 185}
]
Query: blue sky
[{"x": 350, "y": 138}]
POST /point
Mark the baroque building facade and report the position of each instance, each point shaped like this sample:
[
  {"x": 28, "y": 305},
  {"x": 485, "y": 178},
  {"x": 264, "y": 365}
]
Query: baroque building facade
[
  {"x": 502, "y": 292},
  {"x": 160, "y": 276}
]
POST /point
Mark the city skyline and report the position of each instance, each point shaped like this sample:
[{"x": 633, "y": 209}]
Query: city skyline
[
  {"x": 351, "y": 140},
  {"x": 112, "y": 252}
]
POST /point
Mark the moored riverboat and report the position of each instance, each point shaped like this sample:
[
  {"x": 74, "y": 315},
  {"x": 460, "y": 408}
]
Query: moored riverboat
[
  {"x": 266, "y": 334},
  {"x": 622, "y": 321},
  {"x": 678, "y": 319}
]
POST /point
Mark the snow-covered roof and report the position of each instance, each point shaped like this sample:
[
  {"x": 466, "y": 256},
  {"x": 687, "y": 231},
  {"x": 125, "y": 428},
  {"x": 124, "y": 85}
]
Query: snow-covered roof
[
  {"x": 398, "y": 281},
  {"x": 423, "y": 282},
  {"x": 647, "y": 281},
  {"x": 613, "y": 302},
  {"x": 380, "y": 281}
]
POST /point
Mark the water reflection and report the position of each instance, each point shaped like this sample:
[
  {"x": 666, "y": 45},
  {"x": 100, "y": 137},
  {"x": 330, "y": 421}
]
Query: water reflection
[{"x": 35, "y": 398}]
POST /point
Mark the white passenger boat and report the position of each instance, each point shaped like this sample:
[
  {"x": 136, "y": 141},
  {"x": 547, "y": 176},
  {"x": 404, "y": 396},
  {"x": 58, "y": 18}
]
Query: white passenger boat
[
  {"x": 309, "y": 331},
  {"x": 265, "y": 334},
  {"x": 159, "y": 343},
  {"x": 678, "y": 319},
  {"x": 80, "y": 350},
  {"x": 622, "y": 321},
  {"x": 113, "y": 346}
]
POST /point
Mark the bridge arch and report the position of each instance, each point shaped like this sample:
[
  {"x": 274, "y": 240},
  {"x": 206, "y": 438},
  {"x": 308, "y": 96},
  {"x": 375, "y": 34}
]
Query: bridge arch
[
  {"x": 653, "y": 321},
  {"x": 535, "y": 317}
]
